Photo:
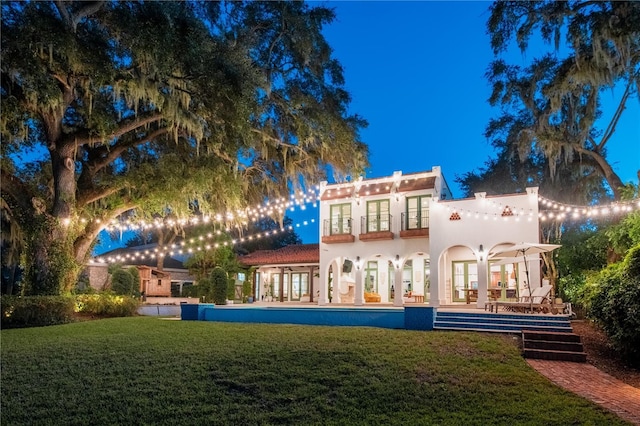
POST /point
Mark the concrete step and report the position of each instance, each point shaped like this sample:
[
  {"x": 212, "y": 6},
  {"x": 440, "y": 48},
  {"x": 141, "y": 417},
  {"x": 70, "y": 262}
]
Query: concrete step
[
  {"x": 555, "y": 355},
  {"x": 554, "y": 345},
  {"x": 504, "y": 315},
  {"x": 546, "y": 336},
  {"x": 506, "y": 327},
  {"x": 504, "y": 320},
  {"x": 505, "y": 323}
]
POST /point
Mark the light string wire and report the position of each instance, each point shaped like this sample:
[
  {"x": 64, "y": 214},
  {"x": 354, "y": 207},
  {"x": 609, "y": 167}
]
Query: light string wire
[
  {"x": 195, "y": 244},
  {"x": 126, "y": 222},
  {"x": 554, "y": 210}
]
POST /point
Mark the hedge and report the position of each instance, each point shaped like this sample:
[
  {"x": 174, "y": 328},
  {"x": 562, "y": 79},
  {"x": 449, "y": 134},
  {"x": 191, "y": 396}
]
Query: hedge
[
  {"x": 36, "y": 311},
  {"x": 616, "y": 305},
  {"x": 107, "y": 305}
]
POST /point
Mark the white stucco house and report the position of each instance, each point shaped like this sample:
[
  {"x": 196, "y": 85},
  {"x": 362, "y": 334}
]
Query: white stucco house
[{"x": 402, "y": 239}]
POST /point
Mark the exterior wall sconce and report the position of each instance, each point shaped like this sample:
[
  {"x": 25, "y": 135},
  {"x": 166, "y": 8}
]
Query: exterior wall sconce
[
  {"x": 358, "y": 262},
  {"x": 481, "y": 253},
  {"x": 396, "y": 262}
]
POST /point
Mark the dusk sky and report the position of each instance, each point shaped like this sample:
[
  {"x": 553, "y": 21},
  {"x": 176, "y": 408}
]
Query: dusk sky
[{"x": 415, "y": 71}]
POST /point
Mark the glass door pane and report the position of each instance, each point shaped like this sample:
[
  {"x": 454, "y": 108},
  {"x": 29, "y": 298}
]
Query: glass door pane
[
  {"x": 275, "y": 285},
  {"x": 424, "y": 212},
  {"x": 371, "y": 277},
  {"x": 412, "y": 213},
  {"x": 372, "y": 216},
  {"x": 285, "y": 287},
  {"x": 295, "y": 286},
  {"x": 458, "y": 282},
  {"x": 383, "y": 215},
  {"x": 304, "y": 283},
  {"x": 427, "y": 279}
]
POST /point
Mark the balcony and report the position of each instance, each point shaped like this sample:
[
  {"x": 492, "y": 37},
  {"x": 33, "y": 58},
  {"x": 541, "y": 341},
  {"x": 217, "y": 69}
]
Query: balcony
[
  {"x": 415, "y": 224},
  {"x": 335, "y": 231},
  {"x": 376, "y": 228}
]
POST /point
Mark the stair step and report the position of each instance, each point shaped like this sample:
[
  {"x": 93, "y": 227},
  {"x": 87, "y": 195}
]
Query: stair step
[
  {"x": 488, "y": 330},
  {"x": 505, "y": 315},
  {"x": 555, "y": 355},
  {"x": 501, "y": 320},
  {"x": 548, "y": 336},
  {"x": 508, "y": 328},
  {"x": 553, "y": 345}
]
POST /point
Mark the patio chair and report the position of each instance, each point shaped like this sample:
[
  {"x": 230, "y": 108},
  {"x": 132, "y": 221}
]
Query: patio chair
[
  {"x": 491, "y": 304},
  {"x": 537, "y": 302}
]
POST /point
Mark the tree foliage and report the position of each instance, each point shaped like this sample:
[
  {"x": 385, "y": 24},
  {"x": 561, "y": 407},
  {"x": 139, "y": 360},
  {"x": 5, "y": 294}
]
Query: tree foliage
[
  {"x": 271, "y": 242},
  {"x": 219, "y": 282},
  {"x": 157, "y": 107},
  {"x": 551, "y": 107},
  {"x": 615, "y": 304}
]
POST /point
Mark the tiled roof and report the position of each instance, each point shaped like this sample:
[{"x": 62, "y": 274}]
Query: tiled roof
[
  {"x": 379, "y": 186},
  {"x": 289, "y": 255}
]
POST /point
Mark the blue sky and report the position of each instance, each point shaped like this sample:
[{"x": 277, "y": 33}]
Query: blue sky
[{"x": 415, "y": 71}]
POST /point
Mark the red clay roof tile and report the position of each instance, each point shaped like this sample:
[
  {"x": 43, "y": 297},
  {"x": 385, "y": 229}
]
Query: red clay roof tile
[{"x": 292, "y": 254}]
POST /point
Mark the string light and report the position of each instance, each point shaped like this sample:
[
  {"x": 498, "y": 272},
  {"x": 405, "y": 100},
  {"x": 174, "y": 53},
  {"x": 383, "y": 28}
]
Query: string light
[
  {"x": 553, "y": 210},
  {"x": 254, "y": 214},
  {"x": 173, "y": 249}
]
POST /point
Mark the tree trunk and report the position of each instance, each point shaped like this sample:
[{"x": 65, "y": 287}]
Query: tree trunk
[
  {"x": 64, "y": 181},
  {"x": 12, "y": 279}
]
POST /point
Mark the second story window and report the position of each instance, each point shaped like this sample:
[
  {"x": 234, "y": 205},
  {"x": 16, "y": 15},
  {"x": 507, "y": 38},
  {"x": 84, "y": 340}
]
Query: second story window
[
  {"x": 378, "y": 218},
  {"x": 417, "y": 216},
  {"x": 340, "y": 219}
]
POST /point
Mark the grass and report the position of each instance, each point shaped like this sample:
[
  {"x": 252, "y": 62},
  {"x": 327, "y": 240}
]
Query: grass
[{"x": 145, "y": 370}]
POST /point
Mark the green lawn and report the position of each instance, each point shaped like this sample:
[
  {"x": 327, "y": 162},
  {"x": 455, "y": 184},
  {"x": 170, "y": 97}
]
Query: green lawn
[{"x": 150, "y": 371}]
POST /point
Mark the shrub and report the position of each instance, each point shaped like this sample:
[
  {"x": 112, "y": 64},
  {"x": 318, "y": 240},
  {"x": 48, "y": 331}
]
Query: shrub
[
  {"x": 136, "y": 280},
  {"x": 122, "y": 282},
  {"x": 231, "y": 289},
  {"x": 36, "y": 311},
  {"x": 246, "y": 290},
  {"x": 107, "y": 305},
  {"x": 219, "y": 282},
  {"x": 191, "y": 290},
  {"x": 616, "y": 305},
  {"x": 204, "y": 290}
]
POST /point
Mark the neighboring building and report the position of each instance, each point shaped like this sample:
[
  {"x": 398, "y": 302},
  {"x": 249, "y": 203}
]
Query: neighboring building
[
  {"x": 402, "y": 239},
  {"x": 168, "y": 282},
  {"x": 286, "y": 274}
]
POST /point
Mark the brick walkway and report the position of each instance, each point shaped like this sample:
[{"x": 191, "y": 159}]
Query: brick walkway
[{"x": 593, "y": 384}]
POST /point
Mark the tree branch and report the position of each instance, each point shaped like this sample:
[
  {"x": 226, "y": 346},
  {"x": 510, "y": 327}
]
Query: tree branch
[
  {"x": 612, "y": 178},
  {"x": 95, "y": 195},
  {"x": 83, "y": 243},
  {"x": 72, "y": 20},
  {"x": 85, "y": 138},
  {"x": 611, "y": 128},
  {"x": 116, "y": 150}
]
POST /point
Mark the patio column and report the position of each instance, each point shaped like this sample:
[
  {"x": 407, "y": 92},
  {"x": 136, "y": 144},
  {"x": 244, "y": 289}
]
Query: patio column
[
  {"x": 483, "y": 284},
  {"x": 358, "y": 299},
  {"x": 255, "y": 285},
  {"x": 323, "y": 283},
  {"x": 311, "y": 268},
  {"x": 397, "y": 281},
  {"x": 435, "y": 282},
  {"x": 282, "y": 284}
]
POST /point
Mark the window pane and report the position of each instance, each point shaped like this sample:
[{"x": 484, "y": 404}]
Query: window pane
[{"x": 304, "y": 283}]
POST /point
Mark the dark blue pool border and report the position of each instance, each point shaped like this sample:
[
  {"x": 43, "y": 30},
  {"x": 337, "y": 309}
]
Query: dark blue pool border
[{"x": 409, "y": 317}]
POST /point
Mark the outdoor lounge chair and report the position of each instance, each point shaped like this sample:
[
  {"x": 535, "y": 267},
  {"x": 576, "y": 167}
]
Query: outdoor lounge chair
[{"x": 539, "y": 301}]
